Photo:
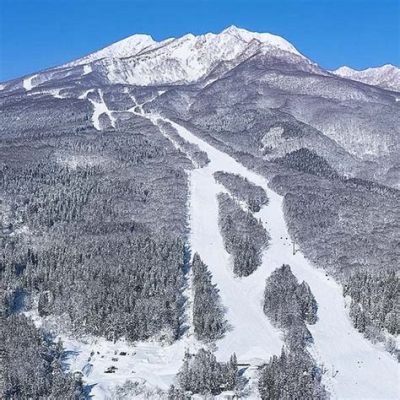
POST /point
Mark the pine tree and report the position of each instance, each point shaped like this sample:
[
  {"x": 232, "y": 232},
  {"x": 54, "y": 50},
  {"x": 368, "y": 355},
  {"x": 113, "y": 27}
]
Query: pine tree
[
  {"x": 232, "y": 373},
  {"x": 208, "y": 313}
]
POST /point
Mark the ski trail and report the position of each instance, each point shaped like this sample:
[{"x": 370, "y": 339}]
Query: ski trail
[
  {"x": 85, "y": 93},
  {"x": 99, "y": 109},
  {"x": 27, "y": 83},
  {"x": 356, "y": 368},
  {"x": 254, "y": 339},
  {"x": 87, "y": 69}
]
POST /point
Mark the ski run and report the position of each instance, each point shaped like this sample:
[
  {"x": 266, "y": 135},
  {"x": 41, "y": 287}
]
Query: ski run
[
  {"x": 354, "y": 368},
  {"x": 27, "y": 83}
]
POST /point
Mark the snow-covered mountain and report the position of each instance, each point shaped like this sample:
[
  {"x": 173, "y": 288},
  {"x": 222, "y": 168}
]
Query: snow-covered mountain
[
  {"x": 225, "y": 45},
  {"x": 386, "y": 76},
  {"x": 166, "y": 204},
  {"x": 142, "y": 61}
]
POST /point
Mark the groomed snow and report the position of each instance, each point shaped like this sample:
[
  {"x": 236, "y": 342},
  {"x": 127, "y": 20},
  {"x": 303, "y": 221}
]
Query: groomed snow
[
  {"x": 100, "y": 108},
  {"x": 27, "y": 83},
  {"x": 87, "y": 69}
]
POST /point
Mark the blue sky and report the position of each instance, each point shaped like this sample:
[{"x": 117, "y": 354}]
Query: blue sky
[{"x": 37, "y": 34}]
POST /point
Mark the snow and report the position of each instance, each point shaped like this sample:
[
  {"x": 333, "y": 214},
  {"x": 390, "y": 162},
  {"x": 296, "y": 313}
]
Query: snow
[
  {"x": 252, "y": 337},
  {"x": 99, "y": 109},
  {"x": 123, "y": 48},
  {"x": 148, "y": 362},
  {"x": 140, "y": 60},
  {"x": 87, "y": 69},
  {"x": 52, "y": 92},
  {"x": 386, "y": 76},
  {"x": 56, "y": 93},
  {"x": 85, "y": 93},
  {"x": 266, "y": 38},
  {"x": 27, "y": 82}
]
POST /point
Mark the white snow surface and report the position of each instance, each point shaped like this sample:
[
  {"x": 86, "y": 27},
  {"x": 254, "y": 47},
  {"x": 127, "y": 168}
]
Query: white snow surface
[
  {"x": 99, "y": 108},
  {"x": 355, "y": 368},
  {"x": 386, "y": 76},
  {"x": 87, "y": 69},
  {"x": 56, "y": 93},
  {"x": 27, "y": 82}
]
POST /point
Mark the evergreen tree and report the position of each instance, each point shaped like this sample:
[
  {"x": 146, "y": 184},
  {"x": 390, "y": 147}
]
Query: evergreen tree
[
  {"x": 208, "y": 313},
  {"x": 202, "y": 373},
  {"x": 291, "y": 376},
  {"x": 244, "y": 236}
]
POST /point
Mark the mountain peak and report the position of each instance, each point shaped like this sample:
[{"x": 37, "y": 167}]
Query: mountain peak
[
  {"x": 386, "y": 76},
  {"x": 232, "y": 29},
  {"x": 343, "y": 70},
  {"x": 136, "y": 44},
  {"x": 184, "y": 59},
  {"x": 265, "y": 38}
]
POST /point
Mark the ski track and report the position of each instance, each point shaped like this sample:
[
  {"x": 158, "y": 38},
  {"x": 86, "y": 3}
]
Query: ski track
[
  {"x": 100, "y": 108},
  {"x": 27, "y": 83},
  {"x": 252, "y": 337},
  {"x": 87, "y": 69},
  {"x": 356, "y": 369}
]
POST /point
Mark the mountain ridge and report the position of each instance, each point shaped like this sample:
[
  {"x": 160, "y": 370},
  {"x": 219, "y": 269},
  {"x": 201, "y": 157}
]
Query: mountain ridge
[
  {"x": 189, "y": 58},
  {"x": 135, "y": 44},
  {"x": 386, "y": 76},
  {"x": 140, "y": 60}
]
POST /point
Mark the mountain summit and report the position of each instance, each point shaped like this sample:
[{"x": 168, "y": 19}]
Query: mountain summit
[
  {"x": 140, "y": 43},
  {"x": 139, "y": 59}
]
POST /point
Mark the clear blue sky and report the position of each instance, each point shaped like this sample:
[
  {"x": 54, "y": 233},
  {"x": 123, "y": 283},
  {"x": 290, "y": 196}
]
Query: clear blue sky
[{"x": 37, "y": 34}]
